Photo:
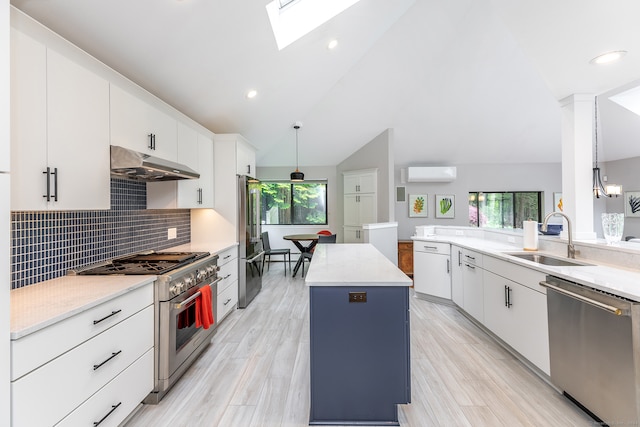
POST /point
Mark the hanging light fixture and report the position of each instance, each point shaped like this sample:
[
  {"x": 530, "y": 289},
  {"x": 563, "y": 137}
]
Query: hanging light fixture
[
  {"x": 297, "y": 176},
  {"x": 598, "y": 188}
]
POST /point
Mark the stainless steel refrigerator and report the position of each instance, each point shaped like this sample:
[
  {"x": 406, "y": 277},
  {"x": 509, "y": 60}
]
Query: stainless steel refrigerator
[{"x": 251, "y": 253}]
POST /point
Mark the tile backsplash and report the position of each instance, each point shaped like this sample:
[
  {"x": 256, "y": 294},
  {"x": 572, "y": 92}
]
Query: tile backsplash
[{"x": 45, "y": 244}]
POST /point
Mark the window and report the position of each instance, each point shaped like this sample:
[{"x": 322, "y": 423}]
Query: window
[
  {"x": 504, "y": 209},
  {"x": 288, "y": 203}
]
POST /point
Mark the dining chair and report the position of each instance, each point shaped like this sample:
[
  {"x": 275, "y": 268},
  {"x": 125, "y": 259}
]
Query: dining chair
[
  {"x": 322, "y": 238},
  {"x": 268, "y": 252},
  {"x": 327, "y": 239}
]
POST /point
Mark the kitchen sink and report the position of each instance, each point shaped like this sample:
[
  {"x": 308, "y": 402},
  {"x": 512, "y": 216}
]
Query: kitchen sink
[{"x": 547, "y": 259}]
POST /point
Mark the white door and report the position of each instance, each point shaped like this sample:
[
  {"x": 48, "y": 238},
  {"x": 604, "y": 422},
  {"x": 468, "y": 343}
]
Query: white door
[
  {"x": 78, "y": 135},
  {"x": 28, "y": 122},
  {"x": 431, "y": 274}
]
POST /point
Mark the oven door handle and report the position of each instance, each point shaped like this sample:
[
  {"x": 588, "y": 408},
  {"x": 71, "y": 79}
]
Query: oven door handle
[{"x": 194, "y": 296}]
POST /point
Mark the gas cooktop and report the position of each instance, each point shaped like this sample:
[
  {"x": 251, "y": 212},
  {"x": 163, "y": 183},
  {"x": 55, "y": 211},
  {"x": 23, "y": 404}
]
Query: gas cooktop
[{"x": 143, "y": 263}]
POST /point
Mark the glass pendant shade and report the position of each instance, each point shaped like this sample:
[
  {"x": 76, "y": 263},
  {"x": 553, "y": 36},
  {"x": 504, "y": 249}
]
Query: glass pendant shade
[{"x": 598, "y": 188}]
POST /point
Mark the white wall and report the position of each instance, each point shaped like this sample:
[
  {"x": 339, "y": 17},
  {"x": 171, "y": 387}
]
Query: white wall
[
  {"x": 625, "y": 172},
  {"x": 334, "y": 205},
  {"x": 546, "y": 177},
  {"x": 377, "y": 153}
]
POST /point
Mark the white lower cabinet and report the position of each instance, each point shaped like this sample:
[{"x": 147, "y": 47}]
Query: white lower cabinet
[
  {"x": 80, "y": 379},
  {"x": 353, "y": 234},
  {"x": 115, "y": 401},
  {"x": 457, "y": 286},
  {"x": 515, "y": 312},
  {"x": 432, "y": 269},
  {"x": 228, "y": 285},
  {"x": 472, "y": 283}
]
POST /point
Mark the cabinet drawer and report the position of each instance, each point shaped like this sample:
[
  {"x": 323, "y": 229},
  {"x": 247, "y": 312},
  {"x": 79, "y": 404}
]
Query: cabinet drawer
[
  {"x": 431, "y": 247},
  {"x": 34, "y": 350},
  {"x": 59, "y": 386},
  {"x": 125, "y": 392},
  {"x": 227, "y": 301},
  {"x": 227, "y": 255},
  {"x": 472, "y": 258},
  {"x": 517, "y": 273},
  {"x": 228, "y": 273}
]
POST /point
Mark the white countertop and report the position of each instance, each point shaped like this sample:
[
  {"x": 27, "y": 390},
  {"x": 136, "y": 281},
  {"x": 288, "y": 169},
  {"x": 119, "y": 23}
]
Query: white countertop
[
  {"x": 353, "y": 264},
  {"x": 213, "y": 248},
  {"x": 40, "y": 305},
  {"x": 616, "y": 280}
]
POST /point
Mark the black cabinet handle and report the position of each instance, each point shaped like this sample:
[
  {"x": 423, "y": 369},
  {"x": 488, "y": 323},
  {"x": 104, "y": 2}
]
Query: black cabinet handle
[
  {"x": 248, "y": 169},
  {"x": 152, "y": 141},
  {"x": 48, "y": 173},
  {"x": 507, "y": 296},
  {"x": 459, "y": 258},
  {"x": 55, "y": 184},
  {"x": 95, "y": 367},
  {"x": 227, "y": 301},
  {"x": 113, "y": 313},
  {"x": 113, "y": 408},
  {"x": 448, "y": 268}
]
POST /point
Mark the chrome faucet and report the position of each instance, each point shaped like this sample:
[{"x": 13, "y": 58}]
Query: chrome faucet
[{"x": 571, "y": 250}]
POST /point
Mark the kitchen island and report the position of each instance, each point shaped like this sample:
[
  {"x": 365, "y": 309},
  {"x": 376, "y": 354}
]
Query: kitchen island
[{"x": 359, "y": 336}]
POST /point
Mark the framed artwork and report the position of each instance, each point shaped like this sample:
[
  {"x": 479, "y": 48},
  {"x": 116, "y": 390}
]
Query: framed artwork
[
  {"x": 632, "y": 203},
  {"x": 445, "y": 206},
  {"x": 557, "y": 202},
  {"x": 418, "y": 205}
]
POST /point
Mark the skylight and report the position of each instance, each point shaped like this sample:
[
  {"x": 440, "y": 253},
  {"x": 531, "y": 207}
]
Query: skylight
[{"x": 292, "y": 19}]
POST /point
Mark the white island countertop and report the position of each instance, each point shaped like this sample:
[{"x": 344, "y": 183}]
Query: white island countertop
[
  {"x": 353, "y": 264},
  {"x": 608, "y": 278},
  {"x": 37, "y": 306}
]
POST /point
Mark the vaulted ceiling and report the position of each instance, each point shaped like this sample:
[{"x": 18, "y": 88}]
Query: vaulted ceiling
[{"x": 459, "y": 81}]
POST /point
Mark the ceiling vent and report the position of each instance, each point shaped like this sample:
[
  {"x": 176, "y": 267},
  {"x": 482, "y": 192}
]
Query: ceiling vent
[{"x": 431, "y": 174}]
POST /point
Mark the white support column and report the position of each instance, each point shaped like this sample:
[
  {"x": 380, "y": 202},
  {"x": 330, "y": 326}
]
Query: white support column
[{"x": 577, "y": 164}]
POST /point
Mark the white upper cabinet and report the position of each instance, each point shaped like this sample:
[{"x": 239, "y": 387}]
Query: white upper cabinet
[
  {"x": 360, "y": 202},
  {"x": 142, "y": 127},
  {"x": 245, "y": 158},
  {"x": 364, "y": 181},
  {"x": 205, "y": 168},
  {"x": 195, "y": 150},
  {"x": 60, "y": 114}
]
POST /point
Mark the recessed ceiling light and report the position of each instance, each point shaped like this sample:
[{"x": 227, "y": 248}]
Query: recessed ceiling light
[
  {"x": 252, "y": 93},
  {"x": 332, "y": 44},
  {"x": 608, "y": 57}
]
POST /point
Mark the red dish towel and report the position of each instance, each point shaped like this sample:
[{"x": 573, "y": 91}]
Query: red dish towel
[{"x": 204, "y": 310}]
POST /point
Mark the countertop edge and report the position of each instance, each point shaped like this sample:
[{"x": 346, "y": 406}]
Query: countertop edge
[
  {"x": 63, "y": 315},
  {"x": 606, "y": 278}
]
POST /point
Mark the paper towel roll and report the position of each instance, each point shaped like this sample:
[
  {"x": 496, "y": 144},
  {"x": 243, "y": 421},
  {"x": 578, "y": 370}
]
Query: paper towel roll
[{"x": 530, "y": 235}]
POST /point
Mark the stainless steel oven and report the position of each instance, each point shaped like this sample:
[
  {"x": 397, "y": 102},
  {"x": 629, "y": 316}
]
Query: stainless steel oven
[
  {"x": 180, "y": 279},
  {"x": 180, "y": 338}
]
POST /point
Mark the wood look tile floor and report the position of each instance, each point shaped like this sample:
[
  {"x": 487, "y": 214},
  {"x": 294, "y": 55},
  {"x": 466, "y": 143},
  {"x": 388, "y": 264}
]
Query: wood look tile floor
[{"x": 256, "y": 372}]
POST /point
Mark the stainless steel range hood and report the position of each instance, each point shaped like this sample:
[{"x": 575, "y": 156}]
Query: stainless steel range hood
[{"x": 129, "y": 164}]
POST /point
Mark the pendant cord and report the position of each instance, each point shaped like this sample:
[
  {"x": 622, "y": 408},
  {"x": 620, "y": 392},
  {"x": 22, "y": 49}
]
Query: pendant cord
[
  {"x": 596, "y": 128},
  {"x": 296, "y": 149}
]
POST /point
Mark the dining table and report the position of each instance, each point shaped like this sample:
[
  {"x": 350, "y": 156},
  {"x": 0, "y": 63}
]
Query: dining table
[{"x": 298, "y": 240}]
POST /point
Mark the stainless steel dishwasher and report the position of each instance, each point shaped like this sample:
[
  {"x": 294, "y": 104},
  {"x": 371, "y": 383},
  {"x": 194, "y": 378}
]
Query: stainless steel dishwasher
[{"x": 594, "y": 350}]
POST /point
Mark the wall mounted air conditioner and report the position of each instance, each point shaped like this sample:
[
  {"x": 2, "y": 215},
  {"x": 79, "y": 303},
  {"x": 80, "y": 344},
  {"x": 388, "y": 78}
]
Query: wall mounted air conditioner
[{"x": 431, "y": 174}]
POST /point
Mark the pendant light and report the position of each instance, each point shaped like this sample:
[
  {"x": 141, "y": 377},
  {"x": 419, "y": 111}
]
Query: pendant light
[
  {"x": 599, "y": 189},
  {"x": 297, "y": 176}
]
